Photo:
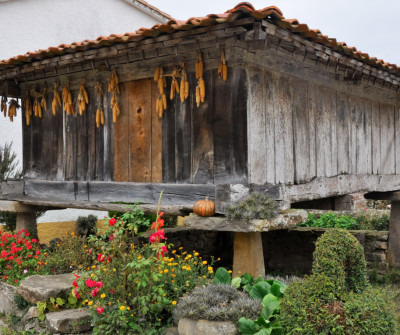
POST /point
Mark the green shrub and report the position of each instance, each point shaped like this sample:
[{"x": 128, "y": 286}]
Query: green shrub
[
  {"x": 373, "y": 220},
  {"x": 221, "y": 302},
  {"x": 340, "y": 256},
  {"x": 330, "y": 220},
  {"x": 255, "y": 206},
  {"x": 336, "y": 298},
  {"x": 86, "y": 226}
]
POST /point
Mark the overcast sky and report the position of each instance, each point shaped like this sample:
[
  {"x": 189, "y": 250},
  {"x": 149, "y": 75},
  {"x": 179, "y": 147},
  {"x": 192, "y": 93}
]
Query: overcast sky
[{"x": 370, "y": 26}]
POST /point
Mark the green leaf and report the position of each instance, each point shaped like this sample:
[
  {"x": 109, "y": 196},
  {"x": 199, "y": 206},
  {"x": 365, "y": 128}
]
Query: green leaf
[
  {"x": 222, "y": 276},
  {"x": 52, "y": 300},
  {"x": 264, "y": 331},
  {"x": 236, "y": 282},
  {"x": 246, "y": 279},
  {"x": 277, "y": 290},
  {"x": 41, "y": 317},
  {"x": 247, "y": 326},
  {"x": 60, "y": 301},
  {"x": 271, "y": 305},
  {"x": 260, "y": 290},
  {"x": 72, "y": 300}
]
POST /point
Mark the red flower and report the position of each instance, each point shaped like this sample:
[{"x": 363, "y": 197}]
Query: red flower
[
  {"x": 99, "y": 310},
  {"x": 90, "y": 283},
  {"x": 157, "y": 236},
  {"x": 111, "y": 237},
  {"x": 100, "y": 258},
  {"x": 112, "y": 291},
  {"x": 112, "y": 222},
  {"x": 99, "y": 284},
  {"x": 94, "y": 292},
  {"x": 163, "y": 251}
]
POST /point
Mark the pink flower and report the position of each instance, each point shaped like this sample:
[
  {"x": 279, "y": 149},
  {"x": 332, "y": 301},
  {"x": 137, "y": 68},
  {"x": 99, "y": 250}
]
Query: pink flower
[
  {"x": 163, "y": 251},
  {"x": 90, "y": 283},
  {"x": 111, "y": 237},
  {"x": 112, "y": 291},
  {"x": 157, "y": 236},
  {"x": 94, "y": 292},
  {"x": 112, "y": 222},
  {"x": 99, "y": 284},
  {"x": 100, "y": 258},
  {"x": 389, "y": 206},
  {"x": 99, "y": 310}
]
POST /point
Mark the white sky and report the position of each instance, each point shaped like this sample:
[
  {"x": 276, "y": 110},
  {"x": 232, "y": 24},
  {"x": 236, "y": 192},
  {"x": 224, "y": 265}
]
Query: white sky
[{"x": 370, "y": 26}]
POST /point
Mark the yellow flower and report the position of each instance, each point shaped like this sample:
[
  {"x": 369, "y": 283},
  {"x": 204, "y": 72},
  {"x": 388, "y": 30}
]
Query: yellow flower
[
  {"x": 128, "y": 308},
  {"x": 204, "y": 262},
  {"x": 173, "y": 275},
  {"x": 94, "y": 266},
  {"x": 103, "y": 296},
  {"x": 132, "y": 246},
  {"x": 173, "y": 251},
  {"x": 173, "y": 303},
  {"x": 92, "y": 275},
  {"x": 180, "y": 248},
  {"x": 196, "y": 254},
  {"x": 172, "y": 281},
  {"x": 115, "y": 270},
  {"x": 90, "y": 303},
  {"x": 166, "y": 270},
  {"x": 230, "y": 271},
  {"x": 210, "y": 268},
  {"x": 122, "y": 308}
]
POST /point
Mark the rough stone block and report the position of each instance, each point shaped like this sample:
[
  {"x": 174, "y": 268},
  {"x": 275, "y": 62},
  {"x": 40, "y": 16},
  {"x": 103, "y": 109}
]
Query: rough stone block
[
  {"x": 376, "y": 257},
  {"x": 69, "y": 321},
  {"x": 42, "y": 288},
  {"x": 205, "y": 327},
  {"x": 7, "y": 293},
  {"x": 187, "y": 327},
  {"x": 172, "y": 331}
]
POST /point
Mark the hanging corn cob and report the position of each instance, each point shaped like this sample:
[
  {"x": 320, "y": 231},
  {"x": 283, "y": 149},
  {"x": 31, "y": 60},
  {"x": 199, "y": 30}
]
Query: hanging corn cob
[
  {"x": 222, "y": 68},
  {"x": 83, "y": 98},
  {"x": 43, "y": 101},
  {"x": 199, "y": 66},
  {"x": 174, "y": 84},
  {"x": 99, "y": 110},
  {"x": 4, "y": 105},
  {"x": 113, "y": 88},
  {"x": 37, "y": 103},
  {"x": 56, "y": 99},
  {"x": 12, "y": 109},
  {"x": 184, "y": 87},
  {"x": 67, "y": 99},
  {"x": 28, "y": 108}
]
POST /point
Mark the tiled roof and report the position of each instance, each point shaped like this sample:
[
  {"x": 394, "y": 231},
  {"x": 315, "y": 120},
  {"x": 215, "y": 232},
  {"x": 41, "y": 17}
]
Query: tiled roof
[{"x": 242, "y": 10}]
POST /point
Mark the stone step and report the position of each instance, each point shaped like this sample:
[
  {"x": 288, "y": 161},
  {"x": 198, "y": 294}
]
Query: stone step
[
  {"x": 41, "y": 288},
  {"x": 70, "y": 321}
]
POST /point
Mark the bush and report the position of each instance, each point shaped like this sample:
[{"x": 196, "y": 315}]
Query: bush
[
  {"x": 330, "y": 220},
  {"x": 336, "y": 298},
  {"x": 255, "y": 206},
  {"x": 340, "y": 256},
  {"x": 221, "y": 302},
  {"x": 373, "y": 221},
  {"x": 86, "y": 226}
]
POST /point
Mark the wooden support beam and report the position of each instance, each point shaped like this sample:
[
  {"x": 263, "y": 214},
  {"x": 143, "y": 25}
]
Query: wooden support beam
[
  {"x": 248, "y": 254},
  {"x": 389, "y": 196},
  {"x": 394, "y": 234}
]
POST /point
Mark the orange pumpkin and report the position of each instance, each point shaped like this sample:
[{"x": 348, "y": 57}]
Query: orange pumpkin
[{"x": 204, "y": 207}]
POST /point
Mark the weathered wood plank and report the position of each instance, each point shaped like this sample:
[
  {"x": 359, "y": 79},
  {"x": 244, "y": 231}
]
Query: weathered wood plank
[
  {"x": 256, "y": 132},
  {"x": 301, "y": 131},
  {"x": 363, "y": 136},
  {"x": 49, "y": 150},
  {"x": 27, "y": 145},
  {"x": 91, "y": 132},
  {"x": 82, "y": 144},
  {"x": 156, "y": 138},
  {"x": 376, "y": 138},
  {"x": 15, "y": 207},
  {"x": 168, "y": 141},
  {"x": 140, "y": 130},
  {"x": 284, "y": 169},
  {"x": 70, "y": 152},
  {"x": 269, "y": 92},
  {"x": 387, "y": 139},
  {"x": 121, "y": 162},
  {"x": 37, "y": 137},
  {"x": 394, "y": 234},
  {"x": 343, "y": 133},
  {"x": 108, "y": 138},
  {"x": 397, "y": 138}
]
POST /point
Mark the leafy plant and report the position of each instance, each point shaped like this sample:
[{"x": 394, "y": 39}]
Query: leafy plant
[
  {"x": 86, "y": 226},
  {"x": 55, "y": 304},
  {"x": 8, "y": 163},
  {"x": 255, "y": 206},
  {"x": 330, "y": 220}
]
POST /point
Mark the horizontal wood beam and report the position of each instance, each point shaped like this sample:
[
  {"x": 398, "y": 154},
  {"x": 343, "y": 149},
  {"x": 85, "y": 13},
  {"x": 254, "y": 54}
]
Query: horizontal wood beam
[
  {"x": 389, "y": 196},
  {"x": 15, "y": 207},
  {"x": 36, "y": 203}
]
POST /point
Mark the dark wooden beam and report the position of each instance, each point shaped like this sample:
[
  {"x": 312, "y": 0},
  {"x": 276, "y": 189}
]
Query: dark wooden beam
[
  {"x": 389, "y": 196},
  {"x": 10, "y": 88}
]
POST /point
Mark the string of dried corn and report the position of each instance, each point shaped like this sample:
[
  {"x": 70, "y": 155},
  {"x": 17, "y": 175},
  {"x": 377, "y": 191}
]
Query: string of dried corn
[
  {"x": 200, "y": 88},
  {"x": 161, "y": 102},
  {"x": 222, "y": 68},
  {"x": 83, "y": 98},
  {"x": 184, "y": 87},
  {"x": 99, "y": 110},
  {"x": 56, "y": 103},
  {"x": 67, "y": 99},
  {"x": 37, "y": 103},
  {"x": 12, "y": 109},
  {"x": 113, "y": 88},
  {"x": 28, "y": 108},
  {"x": 4, "y": 105}
]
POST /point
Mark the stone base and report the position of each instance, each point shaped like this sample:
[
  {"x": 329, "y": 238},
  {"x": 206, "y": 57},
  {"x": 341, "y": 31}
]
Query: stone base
[{"x": 205, "y": 327}]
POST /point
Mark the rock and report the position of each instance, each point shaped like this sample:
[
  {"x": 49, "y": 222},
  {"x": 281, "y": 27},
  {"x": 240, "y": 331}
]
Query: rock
[
  {"x": 205, "y": 327},
  {"x": 7, "y": 293},
  {"x": 69, "y": 321},
  {"x": 32, "y": 313},
  {"x": 42, "y": 288},
  {"x": 172, "y": 331}
]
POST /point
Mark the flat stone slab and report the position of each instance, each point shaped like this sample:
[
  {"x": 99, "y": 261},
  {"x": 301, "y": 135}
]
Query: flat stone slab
[
  {"x": 205, "y": 327},
  {"x": 283, "y": 220},
  {"x": 41, "y": 288},
  {"x": 7, "y": 293},
  {"x": 69, "y": 321}
]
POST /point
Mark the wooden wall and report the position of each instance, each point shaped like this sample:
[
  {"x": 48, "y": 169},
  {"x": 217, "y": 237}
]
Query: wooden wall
[
  {"x": 69, "y": 147},
  {"x": 300, "y": 130}
]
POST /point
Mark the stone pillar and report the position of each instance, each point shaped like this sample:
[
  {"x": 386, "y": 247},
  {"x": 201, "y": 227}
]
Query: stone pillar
[
  {"x": 394, "y": 234},
  {"x": 27, "y": 220},
  {"x": 248, "y": 254}
]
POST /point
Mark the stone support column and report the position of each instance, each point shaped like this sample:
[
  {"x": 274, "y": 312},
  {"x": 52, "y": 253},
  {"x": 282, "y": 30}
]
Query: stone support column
[
  {"x": 27, "y": 220},
  {"x": 248, "y": 254}
]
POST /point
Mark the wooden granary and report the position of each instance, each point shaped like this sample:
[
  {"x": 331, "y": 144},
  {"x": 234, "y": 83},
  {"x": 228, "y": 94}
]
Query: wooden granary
[{"x": 299, "y": 113}]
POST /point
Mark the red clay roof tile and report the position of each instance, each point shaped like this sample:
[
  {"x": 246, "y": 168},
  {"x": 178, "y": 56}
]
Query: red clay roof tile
[{"x": 243, "y": 9}]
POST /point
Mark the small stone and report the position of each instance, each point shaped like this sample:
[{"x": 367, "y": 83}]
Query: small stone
[
  {"x": 42, "y": 288},
  {"x": 205, "y": 327},
  {"x": 187, "y": 327},
  {"x": 172, "y": 331},
  {"x": 69, "y": 321},
  {"x": 32, "y": 313}
]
